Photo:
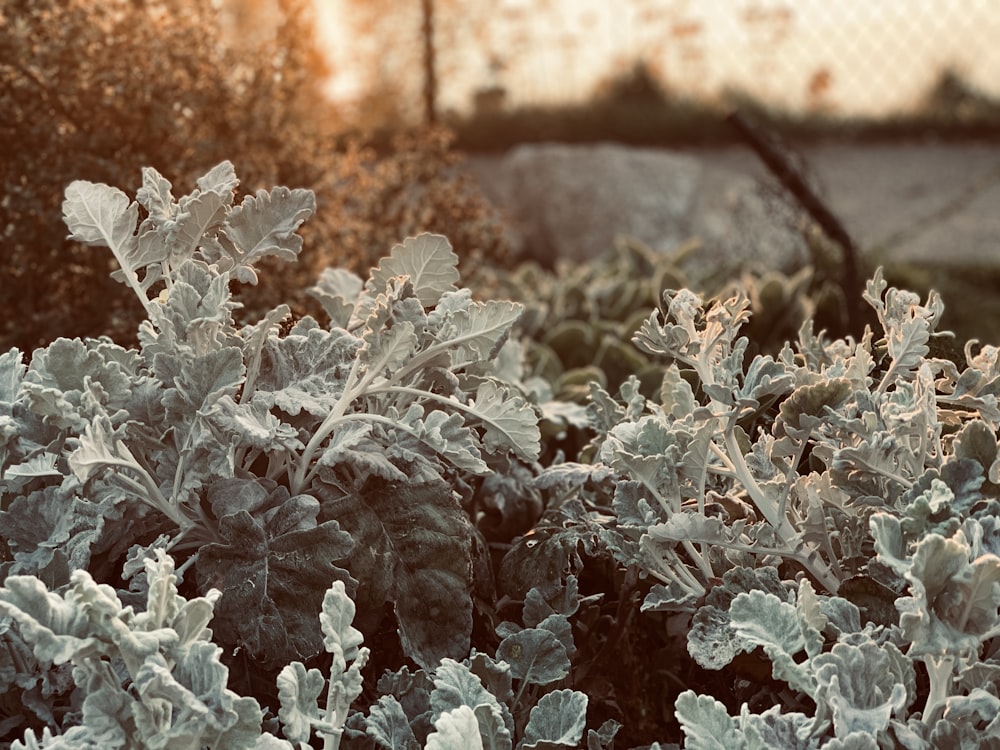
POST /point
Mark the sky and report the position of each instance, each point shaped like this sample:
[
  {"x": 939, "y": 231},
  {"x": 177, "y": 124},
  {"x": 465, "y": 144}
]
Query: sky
[{"x": 871, "y": 57}]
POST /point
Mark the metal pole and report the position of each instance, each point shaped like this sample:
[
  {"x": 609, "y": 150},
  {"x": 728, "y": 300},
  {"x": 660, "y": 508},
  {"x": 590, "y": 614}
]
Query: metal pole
[{"x": 430, "y": 75}]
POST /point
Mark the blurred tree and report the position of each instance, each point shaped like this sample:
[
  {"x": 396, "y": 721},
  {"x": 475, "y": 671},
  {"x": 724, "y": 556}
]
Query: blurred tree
[
  {"x": 399, "y": 48},
  {"x": 98, "y": 90}
]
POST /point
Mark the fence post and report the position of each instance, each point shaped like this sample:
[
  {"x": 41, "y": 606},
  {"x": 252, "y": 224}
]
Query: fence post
[{"x": 430, "y": 74}]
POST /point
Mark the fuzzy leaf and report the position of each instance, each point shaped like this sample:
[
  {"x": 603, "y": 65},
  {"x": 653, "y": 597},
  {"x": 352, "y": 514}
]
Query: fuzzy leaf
[
  {"x": 39, "y": 465},
  {"x": 706, "y": 723},
  {"x": 494, "y": 732},
  {"x": 266, "y": 224},
  {"x": 56, "y": 628},
  {"x": 676, "y": 395},
  {"x": 273, "y": 587},
  {"x": 299, "y": 691},
  {"x": 427, "y": 260},
  {"x": 253, "y": 425},
  {"x": 765, "y": 620},
  {"x": 448, "y": 436},
  {"x": 712, "y": 641},
  {"x": 101, "y": 215},
  {"x": 337, "y": 289},
  {"x": 805, "y": 409},
  {"x": 213, "y": 715},
  {"x": 558, "y": 718},
  {"x": 413, "y": 547},
  {"x": 571, "y": 475},
  {"x": 477, "y": 332},
  {"x": 535, "y": 656},
  {"x": 336, "y": 619},
  {"x": 99, "y": 448},
  {"x": 155, "y": 195},
  {"x": 455, "y": 685},
  {"x": 859, "y": 685},
  {"x": 166, "y": 608},
  {"x": 509, "y": 421},
  {"x": 456, "y": 730},
  {"x": 48, "y": 531},
  {"x": 306, "y": 371},
  {"x": 197, "y": 214},
  {"x": 977, "y": 441},
  {"x": 385, "y": 350},
  {"x": 388, "y": 726}
]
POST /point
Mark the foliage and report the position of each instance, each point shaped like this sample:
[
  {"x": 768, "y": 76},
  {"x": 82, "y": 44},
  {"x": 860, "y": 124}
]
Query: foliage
[
  {"x": 785, "y": 503},
  {"x": 579, "y": 318},
  {"x": 154, "y": 679},
  {"x": 271, "y": 462},
  {"x": 380, "y": 192},
  {"x": 179, "y": 96},
  {"x": 785, "y": 548}
]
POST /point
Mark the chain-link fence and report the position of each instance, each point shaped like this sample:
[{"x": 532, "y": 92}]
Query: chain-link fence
[{"x": 851, "y": 58}]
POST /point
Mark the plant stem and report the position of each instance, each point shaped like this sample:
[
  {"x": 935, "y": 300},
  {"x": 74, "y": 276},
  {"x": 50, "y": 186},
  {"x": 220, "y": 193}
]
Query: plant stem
[
  {"x": 771, "y": 513},
  {"x": 939, "y": 672},
  {"x": 298, "y": 479}
]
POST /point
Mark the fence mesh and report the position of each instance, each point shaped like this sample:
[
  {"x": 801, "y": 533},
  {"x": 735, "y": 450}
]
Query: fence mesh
[{"x": 852, "y": 58}]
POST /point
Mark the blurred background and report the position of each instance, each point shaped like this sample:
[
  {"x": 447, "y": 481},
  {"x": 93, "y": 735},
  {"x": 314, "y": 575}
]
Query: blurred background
[
  {"x": 376, "y": 105},
  {"x": 854, "y": 61}
]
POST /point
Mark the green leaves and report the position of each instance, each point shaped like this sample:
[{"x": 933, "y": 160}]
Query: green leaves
[
  {"x": 173, "y": 690},
  {"x": 274, "y": 574},
  {"x": 429, "y": 263},
  {"x": 413, "y": 547}
]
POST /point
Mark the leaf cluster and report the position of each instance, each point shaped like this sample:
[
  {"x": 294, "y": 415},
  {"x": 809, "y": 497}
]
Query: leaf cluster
[
  {"x": 861, "y": 469},
  {"x": 268, "y": 460},
  {"x": 813, "y": 528}
]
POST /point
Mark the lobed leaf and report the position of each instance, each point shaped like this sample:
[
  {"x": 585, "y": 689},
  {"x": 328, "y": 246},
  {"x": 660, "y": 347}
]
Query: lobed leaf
[
  {"x": 706, "y": 723},
  {"x": 265, "y": 224},
  {"x": 299, "y": 690},
  {"x": 388, "y": 726},
  {"x": 558, "y": 718},
  {"x": 456, "y": 685},
  {"x": 273, "y": 586},
  {"x": 509, "y": 421},
  {"x": 335, "y": 620},
  {"x": 427, "y": 260},
  {"x": 455, "y": 730},
  {"x": 535, "y": 656},
  {"x": 413, "y": 547}
]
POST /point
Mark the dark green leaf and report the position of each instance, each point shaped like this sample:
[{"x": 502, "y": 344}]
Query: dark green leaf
[
  {"x": 558, "y": 718},
  {"x": 978, "y": 441},
  {"x": 413, "y": 548},
  {"x": 273, "y": 587},
  {"x": 535, "y": 656},
  {"x": 804, "y": 410}
]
